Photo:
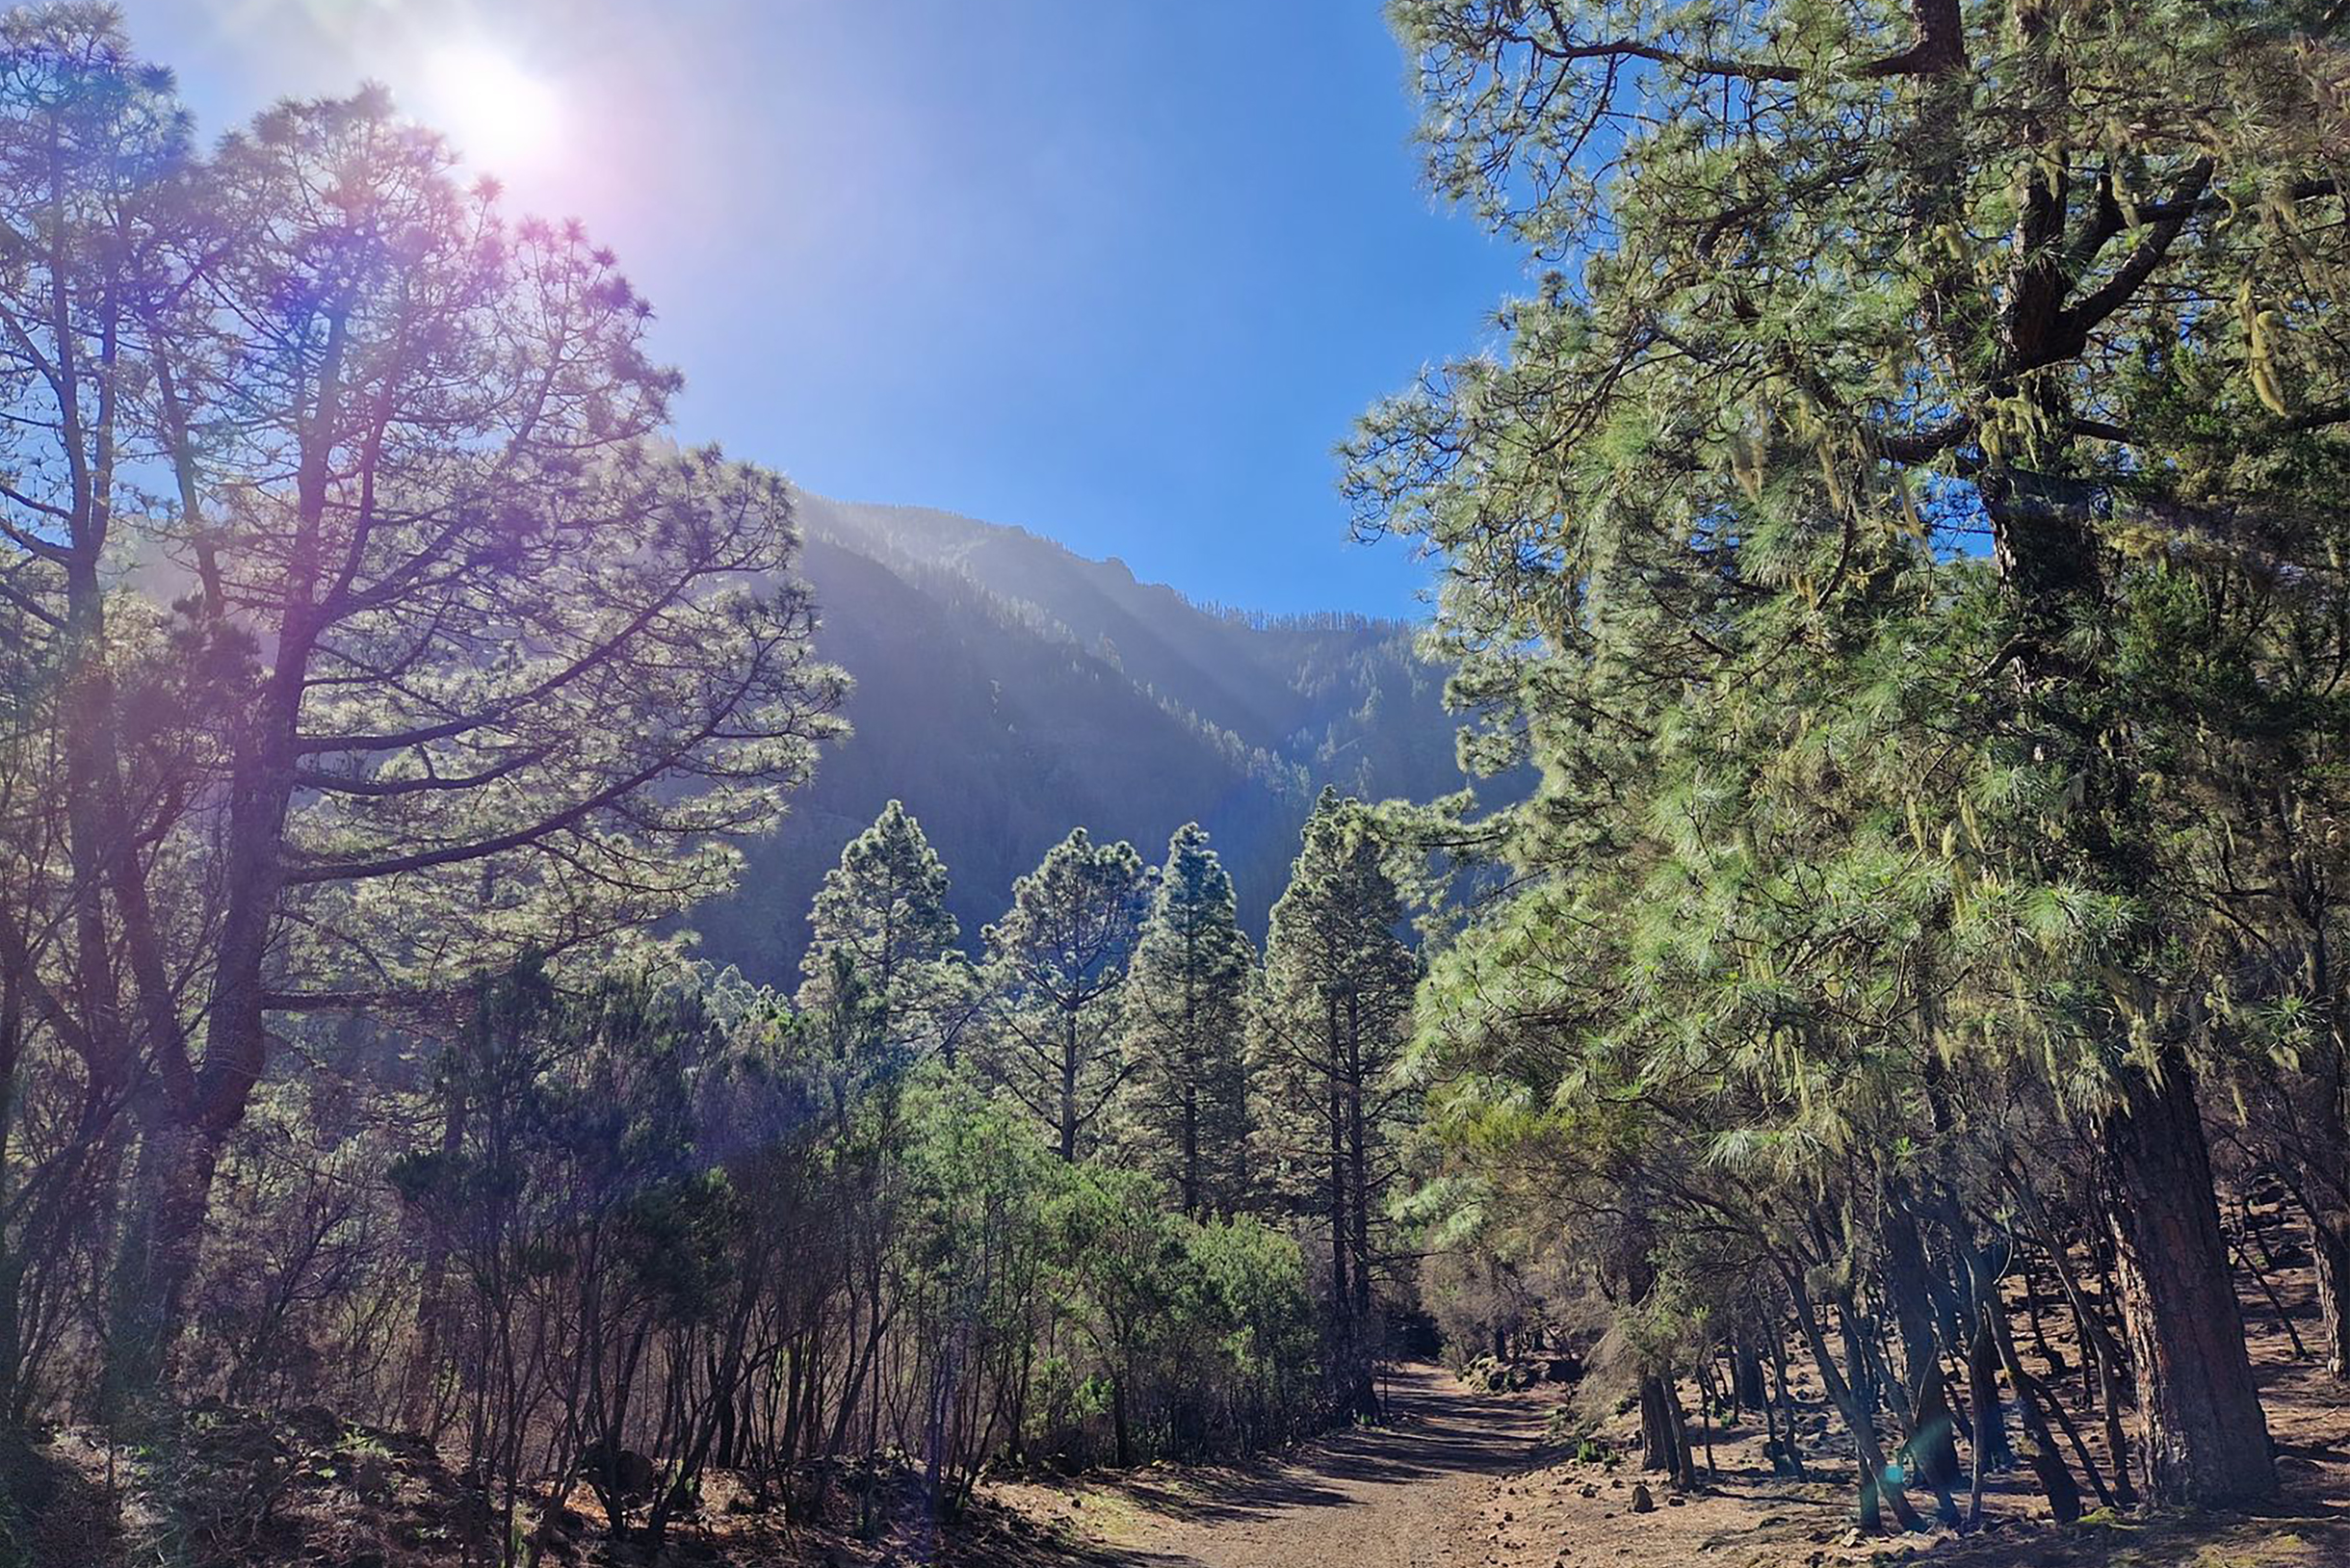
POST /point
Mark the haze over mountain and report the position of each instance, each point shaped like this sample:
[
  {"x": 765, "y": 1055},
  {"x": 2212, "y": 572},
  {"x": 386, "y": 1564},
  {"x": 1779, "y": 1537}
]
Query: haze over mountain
[{"x": 1008, "y": 690}]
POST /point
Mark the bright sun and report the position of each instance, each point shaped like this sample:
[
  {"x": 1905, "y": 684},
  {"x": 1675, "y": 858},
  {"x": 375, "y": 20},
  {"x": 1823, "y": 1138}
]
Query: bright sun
[{"x": 499, "y": 116}]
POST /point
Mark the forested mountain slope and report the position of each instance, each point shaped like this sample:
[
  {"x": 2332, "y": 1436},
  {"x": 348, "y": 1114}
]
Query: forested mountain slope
[{"x": 1007, "y": 689}]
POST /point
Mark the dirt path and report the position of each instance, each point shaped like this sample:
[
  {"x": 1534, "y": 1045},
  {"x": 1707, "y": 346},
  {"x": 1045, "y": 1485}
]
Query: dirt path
[
  {"x": 1457, "y": 1480},
  {"x": 1406, "y": 1495}
]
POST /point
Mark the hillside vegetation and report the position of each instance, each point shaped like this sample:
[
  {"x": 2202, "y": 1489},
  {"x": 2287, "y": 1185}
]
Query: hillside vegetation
[{"x": 1006, "y": 688}]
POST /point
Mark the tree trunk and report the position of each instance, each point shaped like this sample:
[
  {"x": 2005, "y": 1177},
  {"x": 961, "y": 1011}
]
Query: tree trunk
[
  {"x": 1118, "y": 1424},
  {"x": 1342, "y": 1294},
  {"x": 1857, "y": 1417},
  {"x": 2100, "y": 1354},
  {"x": 1068, "y": 1089},
  {"x": 161, "y": 1244},
  {"x": 1746, "y": 1382},
  {"x": 1994, "y": 1453},
  {"x": 1192, "y": 1195},
  {"x": 1358, "y": 1177},
  {"x": 2329, "y": 1245},
  {"x": 1659, "y": 1447},
  {"x": 2201, "y": 1435},
  {"x": 1789, "y": 1458},
  {"x": 2048, "y": 1466},
  {"x": 1932, "y": 1449},
  {"x": 2204, "y": 1437},
  {"x": 1684, "y": 1466}
]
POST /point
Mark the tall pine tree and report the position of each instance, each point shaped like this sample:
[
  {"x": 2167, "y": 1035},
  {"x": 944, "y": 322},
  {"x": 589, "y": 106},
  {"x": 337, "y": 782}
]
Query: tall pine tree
[
  {"x": 1186, "y": 1017},
  {"x": 1055, "y": 968},
  {"x": 1987, "y": 277},
  {"x": 880, "y": 979},
  {"x": 1334, "y": 1016}
]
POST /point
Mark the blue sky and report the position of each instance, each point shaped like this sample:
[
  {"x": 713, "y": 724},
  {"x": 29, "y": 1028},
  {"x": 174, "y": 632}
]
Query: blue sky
[{"x": 1120, "y": 271}]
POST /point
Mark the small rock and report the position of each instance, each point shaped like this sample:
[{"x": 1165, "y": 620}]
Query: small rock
[{"x": 1676, "y": 1501}]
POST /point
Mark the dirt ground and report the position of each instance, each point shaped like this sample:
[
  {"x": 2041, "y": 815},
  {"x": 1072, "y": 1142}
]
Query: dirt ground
[
  {"x": 1462, "y": 1480},
  {"x": 1411, "y": 1494}
]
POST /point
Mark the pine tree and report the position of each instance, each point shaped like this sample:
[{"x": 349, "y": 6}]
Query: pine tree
[
  {"x": 1334, "y": 1016},
  {"x": 1857, "y": 292},
  {"x": 880, "y": 976},
  {"x": 1187, "y": 1015},
  {"x": 1056, "y": 969}
]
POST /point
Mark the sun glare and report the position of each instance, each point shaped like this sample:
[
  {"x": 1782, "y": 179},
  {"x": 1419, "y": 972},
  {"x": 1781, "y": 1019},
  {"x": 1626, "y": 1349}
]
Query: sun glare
[{"x": 499, "y": 116}]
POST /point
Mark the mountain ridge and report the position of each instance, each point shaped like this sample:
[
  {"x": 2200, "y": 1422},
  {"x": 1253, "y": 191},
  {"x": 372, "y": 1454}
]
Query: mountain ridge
[{"x": 1010, "y": 688}]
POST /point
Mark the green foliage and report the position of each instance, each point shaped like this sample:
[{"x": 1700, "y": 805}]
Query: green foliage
[
  {"x": 1187, "y": 1028},
  {"x": 1056, "y": 967},
  {"x": 1334, "y": 1010},
  {"x": 882, "y": 983},
  {"x": 379, "y": 683},
  {"x": 1898, "y": 499}
]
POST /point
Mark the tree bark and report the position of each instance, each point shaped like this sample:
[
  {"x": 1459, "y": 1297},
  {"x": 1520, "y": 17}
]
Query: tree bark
[
  {"x": 1656, "y": 1426},
  {"x": 2203, "y": 1438},
  {"x": 1358, "y": 1175},
  {"x": 1342, "y": 1294},
  {"x": 156, "y": 1263},
  {"x": 2329, "y": 1245}
]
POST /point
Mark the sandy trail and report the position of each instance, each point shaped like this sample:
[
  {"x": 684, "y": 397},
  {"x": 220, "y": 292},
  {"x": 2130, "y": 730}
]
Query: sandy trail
[
  {"x": 1457, "y": 1480},
  {"x": 1406, "y": 1495}
]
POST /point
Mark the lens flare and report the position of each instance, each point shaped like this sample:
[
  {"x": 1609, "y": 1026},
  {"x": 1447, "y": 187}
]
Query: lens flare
[{"x": 499, "y": 116}]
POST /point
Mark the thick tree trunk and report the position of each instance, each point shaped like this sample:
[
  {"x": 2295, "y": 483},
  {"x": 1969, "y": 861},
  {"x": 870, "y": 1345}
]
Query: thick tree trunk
[
  {"x": 2329, "y": 1244},
  {"x": 2201, "y": 1435},
  {"x": 156, "y": 1264}
]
